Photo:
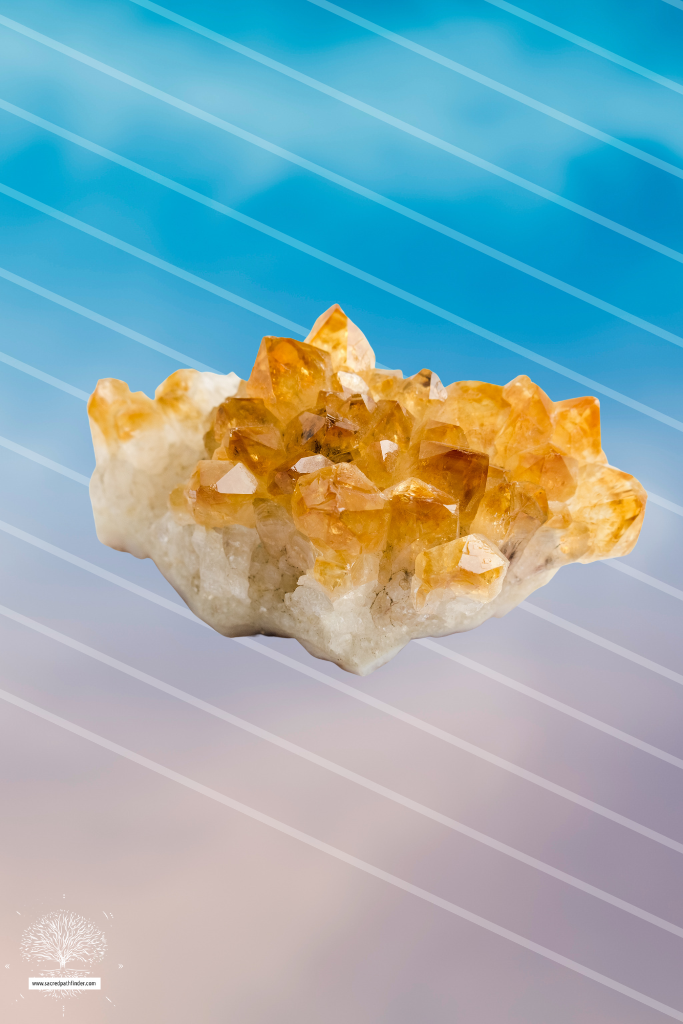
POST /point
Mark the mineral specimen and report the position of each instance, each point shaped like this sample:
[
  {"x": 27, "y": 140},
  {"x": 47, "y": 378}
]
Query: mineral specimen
[{"x": 327, "y": 500}]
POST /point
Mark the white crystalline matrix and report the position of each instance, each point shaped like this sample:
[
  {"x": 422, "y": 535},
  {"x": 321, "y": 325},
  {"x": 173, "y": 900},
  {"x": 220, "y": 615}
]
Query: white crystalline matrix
[{"x": 346, "y": 506}]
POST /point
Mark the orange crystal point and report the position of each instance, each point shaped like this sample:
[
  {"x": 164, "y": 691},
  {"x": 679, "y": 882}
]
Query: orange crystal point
[
  {"x": 348, "y": 347},
  {"x": 529, "y": 423},
  {"x": 612, "y": 505},
  {"x": 576, "y": 429},
  {"x": 470, "y": 566},
  {"x": 288, "y": 375},
  {"x": 423, "y": 395}
]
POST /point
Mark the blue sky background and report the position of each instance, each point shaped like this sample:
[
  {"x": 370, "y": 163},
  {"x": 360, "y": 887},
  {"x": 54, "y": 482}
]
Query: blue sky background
[{"x": 290, "y": 934}]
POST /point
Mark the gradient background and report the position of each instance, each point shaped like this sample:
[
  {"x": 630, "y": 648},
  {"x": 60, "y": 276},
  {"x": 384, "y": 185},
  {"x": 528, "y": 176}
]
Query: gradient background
[{"x": 218, "y": 918}]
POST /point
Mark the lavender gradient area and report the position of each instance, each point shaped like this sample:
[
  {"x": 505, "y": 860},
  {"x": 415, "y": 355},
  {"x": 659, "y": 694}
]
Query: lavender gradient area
[{"x": 529, "y": 773}]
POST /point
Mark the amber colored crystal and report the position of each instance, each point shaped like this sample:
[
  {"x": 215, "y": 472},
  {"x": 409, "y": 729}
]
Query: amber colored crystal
[
  {"x": 384, "y": 384},
  {"x": 384, "y": 463},
  {"x": 382, "y": 450},
  {"x": 390, "y": 422},
  {"x": 341, "y": 512},
  {"x": 543, "y": 467},
  {"x": 347, "y": 345},
  {"x": 306, "y": 431},
  {"x": 444, "y": 433},
  {"x": 333, "y": 428},
  {"x": 249, "y": 416},
  {"x": 351, "y": 408},
  {"x": 347, "y": 384},
  {"x": 247, "y": 433},
  {"x": 423, "y": 395},
  {"x": 576, "y": 429},
  {"x": 612, "y": 504},
  {"x": 469, "y": 566},
  {"x": 348, "y": 418},
  {"x": 283, "y": 478},
  {"x": 421, "y": 516},
  {"x": 459, "y": 472},
  {"x": 529, "y": 423},
  {"x": 479, "y": 409},
  {"x": 508, "y": 510},
  {"x": 288, "y": 375},
  {"x": 220, "y": 493}
]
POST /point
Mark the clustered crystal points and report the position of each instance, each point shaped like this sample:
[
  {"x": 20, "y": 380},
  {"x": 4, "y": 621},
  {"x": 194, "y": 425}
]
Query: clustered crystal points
[{"x": 346, "y": 506}]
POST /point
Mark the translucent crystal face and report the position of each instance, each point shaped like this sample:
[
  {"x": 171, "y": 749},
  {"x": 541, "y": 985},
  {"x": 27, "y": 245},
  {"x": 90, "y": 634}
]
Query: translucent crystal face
[
  {"x": 356, "y": 479},
  {"x": 382, "y": 475}
]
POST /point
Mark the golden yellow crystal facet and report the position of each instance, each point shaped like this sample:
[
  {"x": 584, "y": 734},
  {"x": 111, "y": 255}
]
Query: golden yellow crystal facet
[
  {"x": 358, "y": 477},
  {"x": 348, "y": 347},
  {"x": 288, "y": 375},
  {"x": 469, "y": 565},
  {"x": 344, "y": 515}
]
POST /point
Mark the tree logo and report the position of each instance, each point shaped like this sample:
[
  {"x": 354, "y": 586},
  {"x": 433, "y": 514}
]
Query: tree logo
[{"x": 63, "y": 938}]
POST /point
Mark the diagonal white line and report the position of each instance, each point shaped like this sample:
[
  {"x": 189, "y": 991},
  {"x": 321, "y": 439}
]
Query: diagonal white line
[
  {"x": 396, "y": 122},
  {"x": 141, "y": 254},
  {"x": 324, "y": 257},
  {"x": 476, "y": 666},
  {"x": 56, "y": 467},
  {"x": 345, "y": 773},
  {"x": 308, "y": 165},
  {"x": 671, "y": 506},
  {"x": 414, "y": 300},
  {"x": 351, "y": 691},
  {"x": 46, "y": 378},
  {"x": 104, "y": 574},
  {"x": 608, "y": 645},
  {"x": 475, "y": 76},
  {"x": 37, "y": 289},
  {"x": 340, "y": 855},
  {"x": 675, "y": 3},
  {"x": 643, "y": 577},
  {"x": 550, "y": 702},
  {"x": 587, "y": 45}
]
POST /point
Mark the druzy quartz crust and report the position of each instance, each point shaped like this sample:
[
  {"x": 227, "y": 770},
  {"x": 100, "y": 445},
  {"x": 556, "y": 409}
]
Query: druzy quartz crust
[{"x": 343, "y": 505}]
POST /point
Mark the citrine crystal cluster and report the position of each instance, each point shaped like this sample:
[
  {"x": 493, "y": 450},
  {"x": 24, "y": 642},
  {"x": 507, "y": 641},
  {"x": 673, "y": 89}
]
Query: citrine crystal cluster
[{"x": 346, "y": 506}]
